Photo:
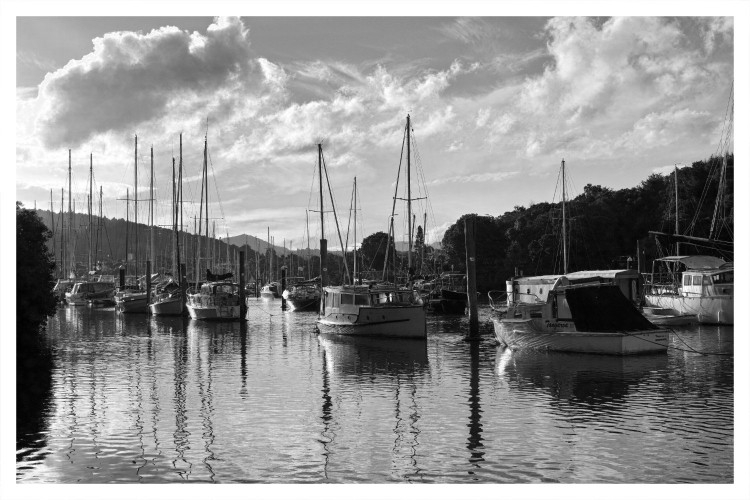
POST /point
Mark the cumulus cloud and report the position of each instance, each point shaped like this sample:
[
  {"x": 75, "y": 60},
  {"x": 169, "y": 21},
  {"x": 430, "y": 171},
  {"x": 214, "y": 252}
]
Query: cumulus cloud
[
  {"x": 622, "y": 83},
  {"x": 131, "y": 77}
]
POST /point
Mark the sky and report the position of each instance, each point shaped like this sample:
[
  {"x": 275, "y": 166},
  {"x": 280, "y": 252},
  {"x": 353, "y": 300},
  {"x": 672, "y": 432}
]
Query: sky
[{"x": 495, "y": 104}]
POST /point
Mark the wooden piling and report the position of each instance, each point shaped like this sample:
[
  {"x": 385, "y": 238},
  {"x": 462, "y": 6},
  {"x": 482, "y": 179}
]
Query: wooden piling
[
  {"x": 183, "y": 287},
  {"x": 471, "y": 285},
  {"x": 283, "y": 288},
  {"x": 148, "y": 285},
  {"x": 243, "y": 305},
  {"x": 122, "y": 278}
]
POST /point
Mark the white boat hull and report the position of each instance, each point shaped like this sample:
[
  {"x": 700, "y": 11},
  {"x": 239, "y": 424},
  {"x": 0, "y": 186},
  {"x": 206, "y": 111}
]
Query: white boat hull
[
  {"x": 714, "y": 310},
  {"x": 393, "y": 322},
  {"x": 169, "y": 307},
  {"x": 132, "y": 304},
  {"x": 214, "y": 312},
  {"x": 534, "y": 334}
]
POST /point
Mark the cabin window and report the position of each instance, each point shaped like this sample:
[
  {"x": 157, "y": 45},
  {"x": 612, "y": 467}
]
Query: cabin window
[
  {"x": 686, "y": 280},
  {"x": 361, "y": 300},
  {"x": 697, "y": 280},
  {"x": 347, "y": 299},
  {"x": 541, "y": 291},
  {"x": 724, "y": 277},
  {"x": 528, "y": 291}
]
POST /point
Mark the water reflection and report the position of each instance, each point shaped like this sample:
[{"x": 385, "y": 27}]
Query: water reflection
[
  {"x": 474, "y": 445},
  {"x": 364, "y": 370},
  {"x": 581, "y": 378}
]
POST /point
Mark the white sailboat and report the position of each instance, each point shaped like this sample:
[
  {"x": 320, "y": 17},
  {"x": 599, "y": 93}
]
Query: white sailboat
[{"x": 218, "y": 299}]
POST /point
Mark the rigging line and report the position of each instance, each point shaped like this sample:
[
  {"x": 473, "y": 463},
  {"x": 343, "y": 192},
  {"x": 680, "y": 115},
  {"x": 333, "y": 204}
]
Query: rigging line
[
  {"x": 335, "y": 218},
  {"x": 216, "y": 186}
]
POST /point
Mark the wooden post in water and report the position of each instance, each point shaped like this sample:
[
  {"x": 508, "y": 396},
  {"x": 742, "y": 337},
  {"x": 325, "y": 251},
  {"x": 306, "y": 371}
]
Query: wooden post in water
[
  {"x": 183, "y": 286},
  {"x": 122, "y": 278},
  {"x": 148, "y": 285},
  {"x": 283, "y": 288},
  {"x": 471, "y": 285},
  {"x": 243, "y": 306}
]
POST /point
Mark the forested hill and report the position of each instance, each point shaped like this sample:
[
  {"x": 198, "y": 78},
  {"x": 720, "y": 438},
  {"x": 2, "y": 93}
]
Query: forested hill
[{"x": 605, "y": 227}]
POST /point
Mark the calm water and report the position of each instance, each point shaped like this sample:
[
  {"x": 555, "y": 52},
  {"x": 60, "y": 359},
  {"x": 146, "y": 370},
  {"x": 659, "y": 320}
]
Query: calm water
[{"x": 139, "y": 399}]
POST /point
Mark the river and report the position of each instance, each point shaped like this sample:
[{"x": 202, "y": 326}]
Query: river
[{"x": 167, "y": 400}]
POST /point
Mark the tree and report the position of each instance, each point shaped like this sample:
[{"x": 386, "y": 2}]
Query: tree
[
  {"x": 34, "y": 273},
  {"x": 373, "y": 251},
  {"x": 34, "y": 302}
]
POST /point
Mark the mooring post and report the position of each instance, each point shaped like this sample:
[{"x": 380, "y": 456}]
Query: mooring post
[
  {"x": 243, "y": 306},
  {"x": 183, "y": 287},
  {"x": 122, "y": 278},
  {"x": 148, "y": 286},
  {"x": 283, "y": 288},
  {"x": 471, "y": 285}
]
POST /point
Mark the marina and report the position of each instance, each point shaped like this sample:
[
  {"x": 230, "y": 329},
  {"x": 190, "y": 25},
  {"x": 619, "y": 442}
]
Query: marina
[
  {"x": 472, "y": 318},
  {"x": 166, "y": 399}
]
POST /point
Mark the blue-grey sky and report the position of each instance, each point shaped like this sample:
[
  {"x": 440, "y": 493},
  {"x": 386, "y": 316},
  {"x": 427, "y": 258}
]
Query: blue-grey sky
[{"x": 495, "y": 102}]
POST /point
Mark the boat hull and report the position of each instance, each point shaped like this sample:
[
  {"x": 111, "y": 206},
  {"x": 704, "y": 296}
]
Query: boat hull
[
  {"x": 138, "y": 305},
  {"x": 715, "y": 310},
  {"x": 214, "y": 312},
  {"x": 531, "y": 334},
  {"x": 169, "y": 307},
  {"x": 304, "y": 304},
  {"x": 393, "y": 322}
]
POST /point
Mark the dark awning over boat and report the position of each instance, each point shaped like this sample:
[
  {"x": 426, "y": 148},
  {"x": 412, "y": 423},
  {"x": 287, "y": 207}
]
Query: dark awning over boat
[{"x": 604, "y": 309}]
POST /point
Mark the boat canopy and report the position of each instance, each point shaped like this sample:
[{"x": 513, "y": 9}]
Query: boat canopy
[
  {"x": 696, "y": 261},
  {"x": 604, "y": 309},
  {"x": 607, "y": 274}
]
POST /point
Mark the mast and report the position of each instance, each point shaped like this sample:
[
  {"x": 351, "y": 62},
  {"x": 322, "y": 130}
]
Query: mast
[
  {"x": 70, "y": 214},
  {"x": 205, "y": 177},
  {"x": 424, "y": 244},
  {"x": 676, "y": 211},
  {"x": 135, "y": 206},
  {"x": 127, "y": 226},
  {"x": 52, "y": 213},
  {"x": 179, "y": 195},
  {"x": 61, "y": 269},
  {"x": 408, "y": 191},
  {"x": 307, "y": 226},
  {"x": 355, "y": 232},
  {"x": 175, "y": 235},
  {"x": 151, "y": 209},
  {"x": 91, "y": 200},
  {"x": 564, "y": 233},
  {"x": 99, "y": 226},
  {"x": 323, "y": 242},
  {"x": 268, "y": 253}
]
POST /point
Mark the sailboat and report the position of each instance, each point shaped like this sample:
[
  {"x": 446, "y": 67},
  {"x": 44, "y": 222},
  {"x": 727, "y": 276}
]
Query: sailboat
[
  {"x": 705, "y": 287},
  {"x": 135, "y": 300},
  {"x": 586, "y": 312},
  {"x": 383, "y": 310},
  {"x": 216, "y": 299},
  {"x": 168, "y": 297}
]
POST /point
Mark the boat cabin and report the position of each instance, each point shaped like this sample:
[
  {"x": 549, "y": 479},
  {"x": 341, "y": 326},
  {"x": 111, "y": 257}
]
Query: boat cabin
[
  {"x": 535, "y": 289},
  {"x": 348, "y": 299},
  {"x": 92, "y": 287}
]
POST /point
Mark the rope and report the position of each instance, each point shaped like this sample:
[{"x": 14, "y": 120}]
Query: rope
[{"x": 258, "y": 307}]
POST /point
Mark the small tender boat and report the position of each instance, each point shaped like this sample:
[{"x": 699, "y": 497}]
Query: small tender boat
[
  {"x": 668, "y": 317},
  {"x": 446, "y": 294},
  {"x": 215, "y": 300},
  {"x": 131, "y": 301},
  {"x": 167, "y": 301},
  {"x": 377, "y": 310},
  {"x": 271, "y": 290},
  {"x": 304, "y": 295},
  {"x": 85, "y": 291},
  {"x": 590, "y": 317}
]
